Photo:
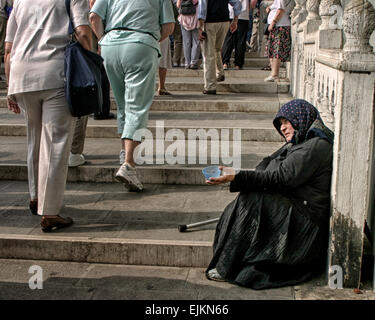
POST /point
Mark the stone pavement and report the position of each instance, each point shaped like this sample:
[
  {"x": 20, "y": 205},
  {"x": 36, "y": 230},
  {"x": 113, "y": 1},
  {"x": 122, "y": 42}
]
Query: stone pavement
[{"x": 105, "y": 212}]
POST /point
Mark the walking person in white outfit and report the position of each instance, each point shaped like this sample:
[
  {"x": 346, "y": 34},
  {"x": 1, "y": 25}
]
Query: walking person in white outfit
[{"x": 34, "y": 64}]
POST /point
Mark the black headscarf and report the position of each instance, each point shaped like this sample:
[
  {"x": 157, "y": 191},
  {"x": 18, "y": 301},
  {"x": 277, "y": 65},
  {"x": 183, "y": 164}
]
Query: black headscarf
[{"x": 305, "y": 119}]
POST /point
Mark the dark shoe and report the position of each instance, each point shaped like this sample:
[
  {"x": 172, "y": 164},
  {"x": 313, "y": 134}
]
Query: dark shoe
[
  {"x": 52, "y": 224},
  {"x": 194, "y": 67},
  {"x": 101, "y": 116},
  {"x": 209, "y": 91},
  {"x": 33, "y": 207},
  {"x": 220, "y": 79}
]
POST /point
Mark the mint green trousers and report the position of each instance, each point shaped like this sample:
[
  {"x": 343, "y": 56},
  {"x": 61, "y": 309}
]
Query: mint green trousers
[{"x": 131, "y": 70}]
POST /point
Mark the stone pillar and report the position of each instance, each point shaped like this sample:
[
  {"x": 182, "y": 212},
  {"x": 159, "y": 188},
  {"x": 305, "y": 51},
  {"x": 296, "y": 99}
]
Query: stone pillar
[{"x": 353, "y": 147}]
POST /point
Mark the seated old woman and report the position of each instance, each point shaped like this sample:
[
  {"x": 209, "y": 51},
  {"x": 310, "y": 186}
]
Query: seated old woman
[{"x": 275, "y": 233}]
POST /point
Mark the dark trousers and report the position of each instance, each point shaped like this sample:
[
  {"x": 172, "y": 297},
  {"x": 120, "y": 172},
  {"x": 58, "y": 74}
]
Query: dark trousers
[
  {"x": 236, "y": 41},
  {"x": 106, "y": 93}
]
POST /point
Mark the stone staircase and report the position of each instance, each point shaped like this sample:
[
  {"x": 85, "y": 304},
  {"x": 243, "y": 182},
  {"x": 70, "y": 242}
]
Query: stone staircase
[{"x": 116, "y": 226}]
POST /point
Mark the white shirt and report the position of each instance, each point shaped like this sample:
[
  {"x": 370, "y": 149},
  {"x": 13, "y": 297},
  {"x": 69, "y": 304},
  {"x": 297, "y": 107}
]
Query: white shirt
[
  {"x": 244, "y": 15},
  {"x": 38, "y": 30},
  {"x": 285, "y": 18}
]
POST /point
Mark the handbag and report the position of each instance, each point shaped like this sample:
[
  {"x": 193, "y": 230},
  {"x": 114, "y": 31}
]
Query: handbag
[{"x": 82, "y": 77}]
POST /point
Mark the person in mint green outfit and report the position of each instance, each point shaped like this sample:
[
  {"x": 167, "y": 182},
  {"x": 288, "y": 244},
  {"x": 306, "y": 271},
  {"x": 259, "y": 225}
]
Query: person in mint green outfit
[{"x": 129, "y": 44}]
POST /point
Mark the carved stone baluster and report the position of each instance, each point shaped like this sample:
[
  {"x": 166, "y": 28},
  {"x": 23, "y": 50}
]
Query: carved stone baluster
[
  {"x": 312, "y": 7},
  {"x": 302, "y": 13},
  {"x": 327, "y": 9},
  {"x": 358, "y": 25}
]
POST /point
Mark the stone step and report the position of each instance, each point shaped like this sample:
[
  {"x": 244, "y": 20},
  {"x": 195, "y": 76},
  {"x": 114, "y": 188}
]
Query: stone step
[
  {"x": 226, "y": 102},
  {"x": 248, "y": 73},
  {"x": 115, "y": 226},
  {"x": 251, "y": 126},
  {"x": 102, "y": 160},
  {"x": 236, "y": 85},
  {"x": 196, "y": 101}
]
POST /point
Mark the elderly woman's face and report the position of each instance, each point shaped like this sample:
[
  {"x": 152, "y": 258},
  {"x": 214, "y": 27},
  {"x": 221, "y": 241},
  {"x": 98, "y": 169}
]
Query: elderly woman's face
[{"x": 286, "y": 129}]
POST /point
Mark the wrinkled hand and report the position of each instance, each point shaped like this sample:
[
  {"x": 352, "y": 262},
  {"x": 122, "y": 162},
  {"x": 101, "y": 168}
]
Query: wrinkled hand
[
  {"x": 227, "y": 175},
  {"x": 271, "y": 26},
  {"x": 13, "y": 106},
  {"x": 233, "y": 26}
]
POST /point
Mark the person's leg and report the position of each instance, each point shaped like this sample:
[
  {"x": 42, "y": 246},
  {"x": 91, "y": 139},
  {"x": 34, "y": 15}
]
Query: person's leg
[
  {"x": 178, "y": 40},
  {"x": 228, "y": 47},
  {"x": 187, "y": 43},
  {"x": 164, "y": 63},
  {"x": 56, "y": 140},
  {"x": 275, "y": 65},
  {"x": 255, "y": 35},
  {"x": 221, "y": 29},
  {"x": 32, "y": 106},
  {"x": 250, "y": 27},
  {"x": 208, "y": 53},
  {"x": 116, "y": 78},
  {"x": 240, "y": 45},
  {"x": 79, "y": 135},
  {"x": 196, "y": 49},
  {"x": 3, "y": 27},
  {"x": 140, "y": 76}
]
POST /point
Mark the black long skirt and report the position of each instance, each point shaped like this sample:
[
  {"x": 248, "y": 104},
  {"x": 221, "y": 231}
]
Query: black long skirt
[{"x": 262, "y": 241}]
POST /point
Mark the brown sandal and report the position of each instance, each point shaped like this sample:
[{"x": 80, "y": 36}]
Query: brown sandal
[
  {"x": 52, "y": 224},
  {"x": 163, "y": 92}
]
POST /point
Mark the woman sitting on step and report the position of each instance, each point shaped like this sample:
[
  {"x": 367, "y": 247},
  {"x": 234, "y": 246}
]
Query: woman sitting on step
[{"x": 275, "y": 233}]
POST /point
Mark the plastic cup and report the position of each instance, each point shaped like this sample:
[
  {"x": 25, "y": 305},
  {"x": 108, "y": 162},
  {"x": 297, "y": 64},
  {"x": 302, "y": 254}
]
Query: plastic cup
[{"x": 211, "y": 172}]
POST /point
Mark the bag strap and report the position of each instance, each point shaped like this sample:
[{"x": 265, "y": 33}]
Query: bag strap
[{"x": 67, "y": 5}]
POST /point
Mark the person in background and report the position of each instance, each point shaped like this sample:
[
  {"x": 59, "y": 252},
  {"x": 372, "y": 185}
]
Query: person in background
[
  {"x": 178, "y": 54},
  {"x": 213, "y": 16},
  {"x": 279, "y": 39},
  {"x": 237, "y": 40},
  {"x": 4, "y": 5},
  {"x": 42, "y": 95},
  {"x": 189, "y": 29},
  {"x": 130, "y": 47}
]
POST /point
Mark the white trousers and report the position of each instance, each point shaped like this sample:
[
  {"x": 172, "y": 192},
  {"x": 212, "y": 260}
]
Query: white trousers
[{"x": 49, "y": 139}]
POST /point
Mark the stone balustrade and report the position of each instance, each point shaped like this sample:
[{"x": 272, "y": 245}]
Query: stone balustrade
[{"x": 333, "y": 67}]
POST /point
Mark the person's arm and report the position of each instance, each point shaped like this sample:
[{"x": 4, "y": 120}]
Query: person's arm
[
  {"x": 166, "y": 30},
  {"x": 92, "y": 2},
  {"x": 237, "y": 7},
  {"x": 97, "y": 25},
  {"x": 83, "y": 35},
  {"x": 298, "y": 168},
  {"x": 202, "y": 15},
  {"x": 12, "y": 105},
  {"x": 178, "y": 4},
  {"x": 253, "y": 3},
  {"x": 279, "y": 14}
]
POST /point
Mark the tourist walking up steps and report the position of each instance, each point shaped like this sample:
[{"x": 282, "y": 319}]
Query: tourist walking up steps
[
  {"x": 189, "y": 29},
  {"x": 213, "y": 18},
  {"x": 35, "y": 76},
  {"x": 130, "y": 48}
]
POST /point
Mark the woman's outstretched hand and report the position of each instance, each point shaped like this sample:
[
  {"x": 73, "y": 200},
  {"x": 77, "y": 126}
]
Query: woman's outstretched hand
[{"x": 227, "y": 175}]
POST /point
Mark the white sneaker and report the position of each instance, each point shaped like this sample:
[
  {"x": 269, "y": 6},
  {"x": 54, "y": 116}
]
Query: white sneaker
[
  {"x": 76, "y": 160},
  {"x": 128, "y": 175},
  {"x": 271, "y": 79},
  {"x": 122, "y": 156}
]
